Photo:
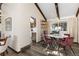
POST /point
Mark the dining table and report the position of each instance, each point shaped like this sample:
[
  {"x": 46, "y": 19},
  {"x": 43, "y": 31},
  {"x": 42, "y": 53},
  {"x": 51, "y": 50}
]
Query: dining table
[{"x": 57, "y": 37}]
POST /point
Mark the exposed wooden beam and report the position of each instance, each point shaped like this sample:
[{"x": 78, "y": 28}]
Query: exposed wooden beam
[
  {"x": 57, "y": 10},
  {"x": 77, "y": 12},
  {"x": 40, "y": 11}
]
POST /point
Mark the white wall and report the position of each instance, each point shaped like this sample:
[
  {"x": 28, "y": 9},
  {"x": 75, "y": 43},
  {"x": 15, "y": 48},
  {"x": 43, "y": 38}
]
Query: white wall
[
  {"x": 21, "y": 32},
  {"x": 71, "y": 25},
  {"x": 78, "y": 27}
]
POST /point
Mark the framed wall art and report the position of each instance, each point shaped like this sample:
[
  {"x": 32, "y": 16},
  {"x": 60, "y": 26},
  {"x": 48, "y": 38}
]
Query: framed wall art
[
  {"x": 8, "y": 24},
  {"x": 0, "y": 19}
]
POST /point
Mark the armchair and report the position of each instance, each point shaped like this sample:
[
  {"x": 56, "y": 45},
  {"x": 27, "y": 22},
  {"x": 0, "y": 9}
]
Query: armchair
[{"x": 3, "y": 46}]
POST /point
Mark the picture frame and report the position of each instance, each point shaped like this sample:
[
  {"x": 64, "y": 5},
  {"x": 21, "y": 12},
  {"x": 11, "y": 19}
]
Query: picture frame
[
  {"x": 8, "y": 24},
  {"x": 0, "y": 19}
]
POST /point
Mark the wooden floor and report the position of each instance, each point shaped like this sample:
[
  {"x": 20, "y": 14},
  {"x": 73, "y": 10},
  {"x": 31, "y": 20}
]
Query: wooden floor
[{"x": 37, "y": 50}]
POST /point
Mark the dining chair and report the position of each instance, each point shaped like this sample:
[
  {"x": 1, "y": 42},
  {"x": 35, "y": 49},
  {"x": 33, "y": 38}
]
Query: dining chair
[
  {"x": 3, "y": 46},
  {"x": 47, "y": 40},
  {"x": 67, "y": 42}
]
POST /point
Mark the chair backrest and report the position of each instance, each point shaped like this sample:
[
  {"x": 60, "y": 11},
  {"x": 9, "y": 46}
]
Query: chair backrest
[
  {"x": 67, "y": 35},
  {"x": 45, "y": 38},
  {"x": 68, "y": 40}
]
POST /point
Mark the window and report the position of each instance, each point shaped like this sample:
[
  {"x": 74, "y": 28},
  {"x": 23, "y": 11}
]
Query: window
[{"x": 63, "y": 26}]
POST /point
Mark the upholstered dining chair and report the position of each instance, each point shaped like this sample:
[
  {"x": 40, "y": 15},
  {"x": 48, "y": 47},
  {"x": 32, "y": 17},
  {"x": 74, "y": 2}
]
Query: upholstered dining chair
[
  {"x": 3, "y": 46},
  {"x": 67, "y": 42},
  {"x": 47, "y": 40}
]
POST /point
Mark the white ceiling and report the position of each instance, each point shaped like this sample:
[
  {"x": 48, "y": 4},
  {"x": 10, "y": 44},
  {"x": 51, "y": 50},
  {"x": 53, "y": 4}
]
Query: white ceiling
[
  {"x": 48, "y": 10},
  {"x": 65, "y": 9},
  {"x": 68, "y": 9}
]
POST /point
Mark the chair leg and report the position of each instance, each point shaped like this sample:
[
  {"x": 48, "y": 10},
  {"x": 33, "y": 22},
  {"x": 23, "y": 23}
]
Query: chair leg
[
  {"x": 58, "y": 49},
  {"x": 65, "y": 50},
  {"x": 72, "y": 51},
  {"x": 3, "y": 54},
  {"x": 46, "y": 47},
  {"x": 7, "y": 51}
]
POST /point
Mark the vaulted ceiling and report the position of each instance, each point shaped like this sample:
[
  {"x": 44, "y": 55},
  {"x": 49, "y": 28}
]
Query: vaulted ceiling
[{"x": 65, "y": 9}]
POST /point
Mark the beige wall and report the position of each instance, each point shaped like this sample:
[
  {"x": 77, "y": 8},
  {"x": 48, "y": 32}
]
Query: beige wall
[{"x": 21, "y": 32}]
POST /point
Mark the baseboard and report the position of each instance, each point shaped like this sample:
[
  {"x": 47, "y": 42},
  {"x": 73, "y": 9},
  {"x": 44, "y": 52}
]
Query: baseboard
[
  {"x": 14, "y": 50},
  {"x": 75, "y": 42},
  {"x": 24, "y": 48}
]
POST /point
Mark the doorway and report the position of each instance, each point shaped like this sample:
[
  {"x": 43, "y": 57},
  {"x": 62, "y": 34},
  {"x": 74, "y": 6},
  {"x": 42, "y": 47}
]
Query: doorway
[{"x": 33, "y": 28}]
